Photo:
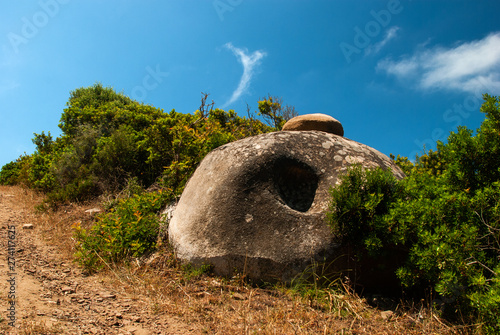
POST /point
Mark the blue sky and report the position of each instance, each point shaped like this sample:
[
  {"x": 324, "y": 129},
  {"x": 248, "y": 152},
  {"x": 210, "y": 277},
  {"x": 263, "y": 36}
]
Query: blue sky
[{"x": 398, "y": 74}]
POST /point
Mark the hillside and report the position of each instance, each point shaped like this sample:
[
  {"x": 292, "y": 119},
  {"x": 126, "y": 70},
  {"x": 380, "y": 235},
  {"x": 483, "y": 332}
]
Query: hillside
[
  {"x": 158, "y": 296},
  {"x": 114, "y": 268}
]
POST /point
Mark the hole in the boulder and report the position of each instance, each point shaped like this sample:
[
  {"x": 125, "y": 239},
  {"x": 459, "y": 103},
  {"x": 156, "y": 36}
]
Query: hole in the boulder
[{"x": 296, "y": 183}]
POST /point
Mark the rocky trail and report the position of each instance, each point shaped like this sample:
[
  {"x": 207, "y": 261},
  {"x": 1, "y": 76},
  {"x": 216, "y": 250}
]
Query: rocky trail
[{"x": 53, "y": 296}]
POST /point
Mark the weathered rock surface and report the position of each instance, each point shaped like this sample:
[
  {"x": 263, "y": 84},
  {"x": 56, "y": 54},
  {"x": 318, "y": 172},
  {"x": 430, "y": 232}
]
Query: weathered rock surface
[
  {"x": 321, "y": 122},
  {"x": 258, "y": 205}
]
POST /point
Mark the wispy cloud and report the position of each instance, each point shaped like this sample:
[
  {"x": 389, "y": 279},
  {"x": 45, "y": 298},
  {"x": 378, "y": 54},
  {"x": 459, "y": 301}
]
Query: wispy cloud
[
  {"x": 469, "y": 67},
  {"x": 389, "y": 35},
  {"x": 249, "y": 63}
]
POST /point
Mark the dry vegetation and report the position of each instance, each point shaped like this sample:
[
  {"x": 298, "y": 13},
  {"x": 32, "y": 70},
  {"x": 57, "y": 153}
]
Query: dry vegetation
[{"x": 207, "y": 304}]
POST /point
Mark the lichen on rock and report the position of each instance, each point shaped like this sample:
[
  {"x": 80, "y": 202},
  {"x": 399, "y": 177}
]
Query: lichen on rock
[{"x": 258, "y": 205}]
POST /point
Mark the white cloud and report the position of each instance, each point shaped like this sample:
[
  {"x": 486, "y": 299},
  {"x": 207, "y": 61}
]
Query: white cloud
[
  {"x": 249, "y": 63},
  {"x": 405, "y": 67},
  {"x": 469, "y": 67},
  {"x": 389, "y": 35}
]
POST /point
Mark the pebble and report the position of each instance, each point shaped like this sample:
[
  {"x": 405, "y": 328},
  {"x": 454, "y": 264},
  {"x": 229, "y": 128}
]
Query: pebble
[
  {"x": 108, "y": 295},
  {"x": 93, "y": 210},
  {"x": 386, "y": 314},
  {"x": 67, "y": 290}
]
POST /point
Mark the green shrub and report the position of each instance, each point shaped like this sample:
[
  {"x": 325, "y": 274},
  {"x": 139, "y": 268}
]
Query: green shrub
[
  {"x": 116, "y": 159},
  {"x": 128, "y": 230},
  {"x": 359, "y": 206},
  {"x": 452, "y": 237},
  {"x": 40, "y": 176},
  {"x": 9, "y": 174},
  {"x": 486, "y": 301},
  {"x": 108, "y": 138},
  {"x": 445, "y": 213}
]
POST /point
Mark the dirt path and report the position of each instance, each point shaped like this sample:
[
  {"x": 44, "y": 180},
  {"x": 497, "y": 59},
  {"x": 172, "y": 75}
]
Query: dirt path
[{"x": 53, "y": 296}]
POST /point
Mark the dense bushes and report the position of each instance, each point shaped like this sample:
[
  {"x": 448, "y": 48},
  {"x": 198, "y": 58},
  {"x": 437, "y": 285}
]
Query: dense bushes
[
  {"x": 445, "y": 213},
  {"x": 359, "y": 207},
  {"x": 110, "y": 142},
  {"x": 130, "y": 229},
  {"x": 10, "y": 173},
  {"x": 108, "y": 138}
]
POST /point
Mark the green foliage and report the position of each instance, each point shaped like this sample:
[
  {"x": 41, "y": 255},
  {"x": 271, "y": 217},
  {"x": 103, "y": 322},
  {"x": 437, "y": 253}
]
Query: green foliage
[
  {"x": 360, "y": 204},
  {"x": 109, "y": 138},
  {"x": 445, "y": 213},
  {"x": 71, "y": 167},
  {"x": 486, "y": 300},
  {"x": 194, "y": 272},
  {"x": 9, "y": 174},
  {"x": 103, "y": 109},
  {"x": 39, "y": 174},
  {"x": 112, "y": 145},
  {"x": 43, "y": 142},
  {"x": 274, "y": 112},
  {"x": 117, "y": 158},
  {"x": 128, "y": 230},
  {"x": 403, "y": 163}
]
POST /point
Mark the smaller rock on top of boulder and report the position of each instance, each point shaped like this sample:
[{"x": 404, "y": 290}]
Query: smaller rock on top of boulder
[{"x": 321, "y": 122}]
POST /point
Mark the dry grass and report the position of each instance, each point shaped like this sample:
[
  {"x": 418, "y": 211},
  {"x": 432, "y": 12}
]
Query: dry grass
[
  {"x": 226, "y": 306},
  {"x": 214, "y": 305},
  {"x": 31, "y": 327}
]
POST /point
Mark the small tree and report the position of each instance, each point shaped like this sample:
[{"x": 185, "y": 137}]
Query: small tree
[
  {"x": 273, "y": 111},
  {"x": 43, "y": 142}
]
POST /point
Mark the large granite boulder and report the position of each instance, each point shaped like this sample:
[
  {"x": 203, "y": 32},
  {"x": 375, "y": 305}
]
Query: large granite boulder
[{"x": 257, "y": 206}]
